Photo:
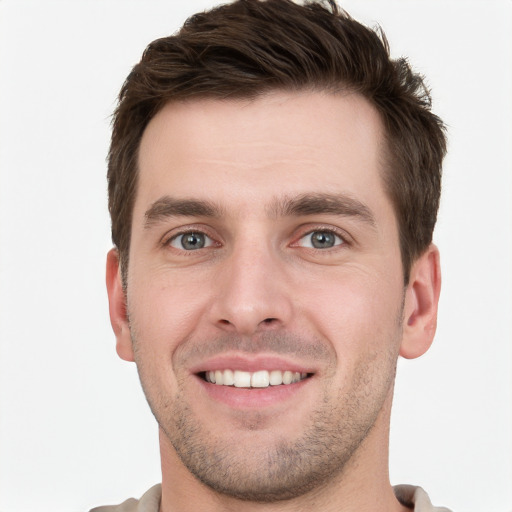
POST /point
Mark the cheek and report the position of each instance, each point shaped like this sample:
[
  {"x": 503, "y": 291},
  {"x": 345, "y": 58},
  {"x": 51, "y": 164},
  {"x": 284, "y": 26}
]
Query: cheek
[
  {"x": 365, "y": 332},
  {"x": 357, "y": 313},
  {"x": 163, "y": 313},
  {"x": 160, "y": 319}
]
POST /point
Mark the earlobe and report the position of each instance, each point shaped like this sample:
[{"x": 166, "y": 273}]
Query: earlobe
[
  {"x": 117, "y": 307},
  {"x": 421, "y": 301}
]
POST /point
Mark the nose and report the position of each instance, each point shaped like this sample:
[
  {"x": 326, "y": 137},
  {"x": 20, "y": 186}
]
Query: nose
[{"x": 253, "y": 292}]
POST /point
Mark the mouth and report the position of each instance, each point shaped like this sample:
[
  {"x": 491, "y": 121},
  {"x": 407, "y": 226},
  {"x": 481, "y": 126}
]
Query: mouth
[
  {"x": 257, "y": 379},
  {"x": 253, "y": 382}
]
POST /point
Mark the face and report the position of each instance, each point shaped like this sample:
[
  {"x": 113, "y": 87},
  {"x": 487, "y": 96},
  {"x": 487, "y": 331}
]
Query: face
[{"x": 265, "y": 289}]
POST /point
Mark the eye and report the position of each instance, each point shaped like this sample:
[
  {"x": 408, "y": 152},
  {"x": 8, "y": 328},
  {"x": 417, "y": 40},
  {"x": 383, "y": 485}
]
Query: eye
[
  {"x": 320, "y": 240},
  {"x": 191, "y": 241}
]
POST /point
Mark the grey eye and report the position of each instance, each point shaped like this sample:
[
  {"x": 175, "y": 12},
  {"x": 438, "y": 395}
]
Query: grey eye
[
  {"x": 191, "y": 241},
  {"x": 320, "y": 240}
]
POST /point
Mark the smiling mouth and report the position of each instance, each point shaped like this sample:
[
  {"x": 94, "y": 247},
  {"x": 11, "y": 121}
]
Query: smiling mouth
[{"x": 258, "y": 379}]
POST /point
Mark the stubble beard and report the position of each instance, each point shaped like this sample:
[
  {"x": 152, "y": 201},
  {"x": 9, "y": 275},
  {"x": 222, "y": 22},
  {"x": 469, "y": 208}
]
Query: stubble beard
[{"x": 285, "y": 468}]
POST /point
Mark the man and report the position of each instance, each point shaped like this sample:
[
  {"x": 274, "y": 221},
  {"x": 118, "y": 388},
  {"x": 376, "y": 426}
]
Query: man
[{"x": 274, "y": 180}]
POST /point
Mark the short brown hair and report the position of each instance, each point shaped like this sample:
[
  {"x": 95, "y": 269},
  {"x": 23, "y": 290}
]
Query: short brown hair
[{"x": 250, "y": 47}]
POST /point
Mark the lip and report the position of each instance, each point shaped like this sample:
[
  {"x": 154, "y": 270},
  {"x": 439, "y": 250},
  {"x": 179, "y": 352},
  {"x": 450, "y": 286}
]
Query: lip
[
  {"x": 250, "y": 364},
  {"x": 251, "y": 398}
]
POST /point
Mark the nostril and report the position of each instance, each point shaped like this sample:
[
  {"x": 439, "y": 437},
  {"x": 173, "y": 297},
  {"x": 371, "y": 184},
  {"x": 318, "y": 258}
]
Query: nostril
[{"x": 247, "y": 327}]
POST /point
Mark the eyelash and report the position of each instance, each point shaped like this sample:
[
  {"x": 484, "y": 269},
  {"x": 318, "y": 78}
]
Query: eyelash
[
  {"x": 341, "y": 239},
  {"x": 167, "y": 240}
]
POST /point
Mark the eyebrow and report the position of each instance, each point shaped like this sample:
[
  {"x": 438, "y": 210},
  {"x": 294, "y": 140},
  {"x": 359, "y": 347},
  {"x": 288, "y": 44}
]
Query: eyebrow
[
  {"x": 302, "y": 205},
  {"x": 320, "y": 203},
  {"x": 167, "y": 206}
]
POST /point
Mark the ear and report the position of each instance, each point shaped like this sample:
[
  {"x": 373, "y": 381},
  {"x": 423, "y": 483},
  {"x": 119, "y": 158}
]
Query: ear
[
  {"x": 117, "y": 307},
  {"x": 421, "y": 300}
]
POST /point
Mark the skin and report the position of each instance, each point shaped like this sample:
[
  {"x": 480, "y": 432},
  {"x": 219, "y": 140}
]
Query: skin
[{"x": 264, "y": 175}]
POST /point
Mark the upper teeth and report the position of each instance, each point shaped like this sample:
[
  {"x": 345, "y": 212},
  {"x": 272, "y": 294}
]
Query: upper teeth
[{"x": 259, "y": 379}]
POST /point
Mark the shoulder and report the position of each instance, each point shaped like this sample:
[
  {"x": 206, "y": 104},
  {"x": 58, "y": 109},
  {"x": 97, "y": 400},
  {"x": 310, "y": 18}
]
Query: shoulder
[
  {"x": 416, "y": 498},
  {"x": 149, "y": 502}
]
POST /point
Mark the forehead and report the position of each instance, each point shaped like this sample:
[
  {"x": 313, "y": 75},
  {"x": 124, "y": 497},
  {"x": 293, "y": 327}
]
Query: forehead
[{"x": 243, "y": 150}]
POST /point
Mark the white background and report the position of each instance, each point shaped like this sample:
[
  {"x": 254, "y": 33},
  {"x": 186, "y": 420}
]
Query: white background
[{"x": 75, "y": 430}]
